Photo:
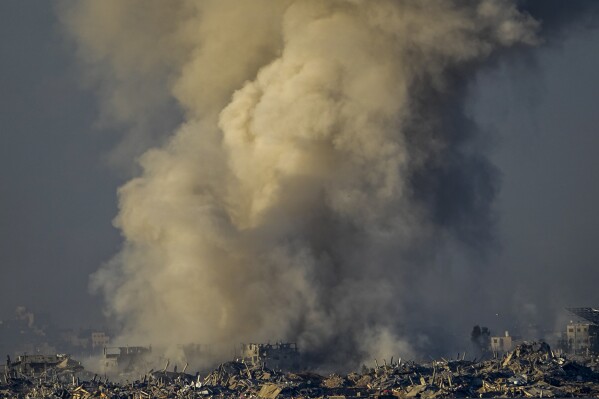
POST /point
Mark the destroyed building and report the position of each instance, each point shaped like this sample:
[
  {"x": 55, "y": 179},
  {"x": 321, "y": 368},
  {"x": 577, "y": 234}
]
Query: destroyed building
[
  {"x": 99, "y": 339},
  {"x": 34, "y": 365},
  {"x": 278, "y": 356},
  {"x": 124, "y": 359},
  {"x": 502, "y": 344},
  {"x": 583, "y": 337}
]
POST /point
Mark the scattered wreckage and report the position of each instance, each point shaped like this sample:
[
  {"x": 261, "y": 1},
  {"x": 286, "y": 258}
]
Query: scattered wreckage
[{"x": 530, "y": 370}]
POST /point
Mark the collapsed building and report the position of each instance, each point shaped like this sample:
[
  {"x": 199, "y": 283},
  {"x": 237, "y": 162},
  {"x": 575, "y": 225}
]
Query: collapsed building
[
  {"x": 125, "y": 359},
  {"x": 47, "y": 367},
  {"x": 278, "y": 356},
  {"x": 33, "y": 365}
]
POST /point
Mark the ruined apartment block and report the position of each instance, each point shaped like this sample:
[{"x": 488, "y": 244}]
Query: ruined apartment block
[
  {"x": 99, "y": 339},
  {"x": 123, "y": 359},
  {"x": 583, "y": 337},
  {"x": 278, "y": 356},
  {"x": 34, "y": 365}
]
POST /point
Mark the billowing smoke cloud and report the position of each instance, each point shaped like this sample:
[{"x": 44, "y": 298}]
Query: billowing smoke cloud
[{"x": 323, "y": 165}]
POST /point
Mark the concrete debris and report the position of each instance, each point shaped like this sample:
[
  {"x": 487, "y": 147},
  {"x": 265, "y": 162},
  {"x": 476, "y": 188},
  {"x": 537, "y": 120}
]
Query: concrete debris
[
  {"x": 530, "y": 370},
  {"x": 269, "y": 391},
  {"x": 58, "y": 367}
]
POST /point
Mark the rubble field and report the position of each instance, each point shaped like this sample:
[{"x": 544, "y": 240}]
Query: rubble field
[{"x": 530, "y": 370}]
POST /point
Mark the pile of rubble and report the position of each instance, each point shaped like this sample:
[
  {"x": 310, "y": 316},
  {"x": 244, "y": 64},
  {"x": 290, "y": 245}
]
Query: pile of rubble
[{"x": 531, "y": 370}]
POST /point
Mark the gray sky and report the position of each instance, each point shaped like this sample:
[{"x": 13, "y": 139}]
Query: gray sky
[
  {"x": 58, "y": 194},
  {"x": 545, "y": 122}
]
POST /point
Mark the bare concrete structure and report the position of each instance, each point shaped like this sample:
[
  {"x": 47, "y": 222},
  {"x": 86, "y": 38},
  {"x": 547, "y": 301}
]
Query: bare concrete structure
[
  {"x": 278, "y": 356},
  {"x": 583, "y": 337},
  {"x": 124, "y": 359},
  {"x": 502, "y": 344},
  {"x": 99, "y": 339}
]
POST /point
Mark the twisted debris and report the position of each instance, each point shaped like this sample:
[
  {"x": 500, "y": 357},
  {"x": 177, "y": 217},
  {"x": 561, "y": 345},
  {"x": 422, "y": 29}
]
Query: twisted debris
[{"x": 530, "y": 370}]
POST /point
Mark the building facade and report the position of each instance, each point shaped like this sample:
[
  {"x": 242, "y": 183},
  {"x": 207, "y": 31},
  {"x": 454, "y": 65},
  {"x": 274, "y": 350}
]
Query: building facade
[
  {"x": 278, "y": 356},
  {"x": 502, "y": 344},
  {"x": 582, "y": 337}
]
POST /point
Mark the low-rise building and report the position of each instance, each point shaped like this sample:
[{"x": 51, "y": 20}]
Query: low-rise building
[
  {"x": 278, "y": 356},
  {"x": 502, "y": 344}
]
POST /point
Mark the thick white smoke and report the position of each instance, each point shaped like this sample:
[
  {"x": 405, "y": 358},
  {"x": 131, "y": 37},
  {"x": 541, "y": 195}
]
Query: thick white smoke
[{"x": 323, "y": 157}]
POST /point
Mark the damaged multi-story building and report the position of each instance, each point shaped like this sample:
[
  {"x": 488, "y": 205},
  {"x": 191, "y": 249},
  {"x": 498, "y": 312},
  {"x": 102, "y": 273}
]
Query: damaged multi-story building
[
  {"x": 278, "y": 356},
  {"x": 582, "y": 337},
  {"x": 99, "y": 339},
  {"x": 123, "y": 359}
]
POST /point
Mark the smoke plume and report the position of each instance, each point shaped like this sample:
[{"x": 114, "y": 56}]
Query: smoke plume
[{"x": 323, "y": 164}]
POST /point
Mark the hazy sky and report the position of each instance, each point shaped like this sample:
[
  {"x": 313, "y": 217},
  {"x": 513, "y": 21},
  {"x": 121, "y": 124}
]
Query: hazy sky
[
  {"x": 57, "y": 195},
  {"x": 58, "y": 192},
  {"x": 546, "y": 124}
]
